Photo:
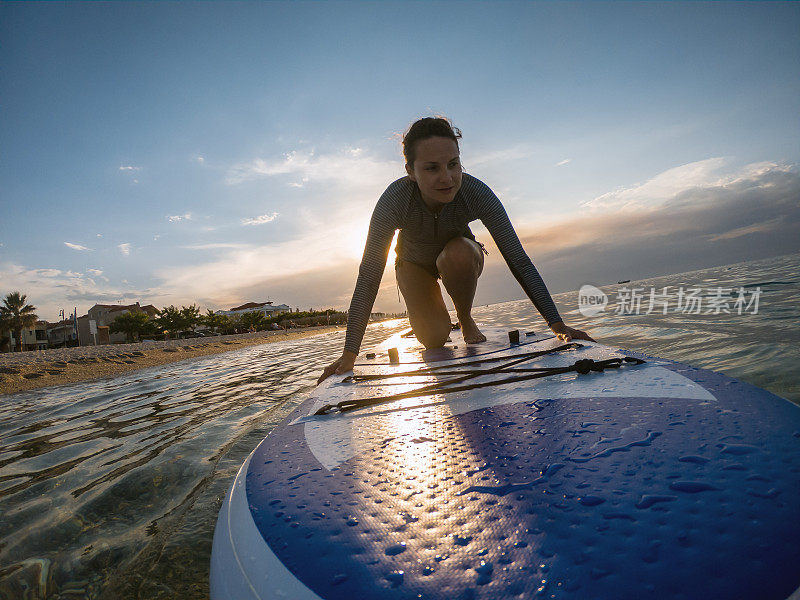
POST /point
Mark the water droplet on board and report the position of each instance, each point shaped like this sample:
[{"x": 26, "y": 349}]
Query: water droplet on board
[
  {"x": 694, "y": 459},
  {"x": 461, "y": 541},
  {"x": 484, "y": 571},
  {"x": 650, "y": 554},
  {"x": 738, "y": 449},
  {"x": 396, "y": 549},
  {"x": 591, "y": 500},
  {"x": 542, "y": 589},
  {"x": 770, "y": 494},
  {"x": 395, "y": 578},
  {"x": 408, "y": 518},
  {"x": 691, "y": 487},
  {"x": 551, "y": 469},
  {"x": 618, "y": 515},
  {"x": 352, "y": 521},
  {"x": 647, "y": 501},
  {"x": 339, "y": 578}
]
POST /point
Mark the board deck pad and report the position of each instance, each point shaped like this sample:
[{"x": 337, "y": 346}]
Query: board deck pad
[{"x": 657, "y": 479}]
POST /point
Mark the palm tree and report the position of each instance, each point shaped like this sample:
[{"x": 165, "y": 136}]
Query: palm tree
[{"x": 17, "y": 315}]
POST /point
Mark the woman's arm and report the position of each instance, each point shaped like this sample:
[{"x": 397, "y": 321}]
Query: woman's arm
[
  {"x": 492, "y": 214},
  {"x": 385, "y": 220}
]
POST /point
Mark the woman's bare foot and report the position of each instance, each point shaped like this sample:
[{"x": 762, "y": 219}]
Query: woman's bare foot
[{"x": 472, "y": 335}]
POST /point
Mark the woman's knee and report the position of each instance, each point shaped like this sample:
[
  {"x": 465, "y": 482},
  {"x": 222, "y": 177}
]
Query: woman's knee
[
  {"x": 460, "y": 253},
  {"x": 434, "y": 337},
  {"x": 431, "y": 322}
]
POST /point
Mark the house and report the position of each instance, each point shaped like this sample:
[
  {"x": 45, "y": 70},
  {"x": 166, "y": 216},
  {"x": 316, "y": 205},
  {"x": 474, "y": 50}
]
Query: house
[
  {"x": 33, "y": 338},
  {"x": 267, "y": 308},
  {"x": 93, "y": 327},
  {"x": 62, "y": 334}
]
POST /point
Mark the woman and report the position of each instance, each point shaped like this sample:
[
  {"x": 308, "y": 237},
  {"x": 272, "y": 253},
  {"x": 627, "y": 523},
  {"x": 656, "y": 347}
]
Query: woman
[{"x": 433, "y": 206}]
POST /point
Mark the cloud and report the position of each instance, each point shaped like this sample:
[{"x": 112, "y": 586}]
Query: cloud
[
  {"x": 349, "y": 166},
  {"x": 129, "y": 168},
  {"x": 325, "y": 245},
  {"x": 258, "y": 273},
  {"x": 663, "y": 226},
  {"x": 754, "y": 199},
  {"x": 51, "y": 272},
  {"x": 177, "y": 218},
  {"x": 50, "y": 290},
  {"x": 218, "y": 246},
  {"x": 667, "y": 185},
  {"x": 750, "y": 213},
  {"x": 199, "y": 159},
  {"x": 511, "y": 153},
  {"x": 261, "y": 219},
  {"x": 561, "y": 163},
  {"x": 96, "y": 274},
  {"x": 716, "y": 214},
  {"x": 763, "y": 227},
  {"x": 77, "y": 247}
]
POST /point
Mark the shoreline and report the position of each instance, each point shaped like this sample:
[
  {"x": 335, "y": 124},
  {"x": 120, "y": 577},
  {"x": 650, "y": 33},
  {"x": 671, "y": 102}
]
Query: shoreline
[{"x": 25, "y": 371}]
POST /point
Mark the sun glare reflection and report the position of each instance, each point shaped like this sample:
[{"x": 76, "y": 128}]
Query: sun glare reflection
[
  {"x": 428, "y": 454},
  {"x": 357, "y": 239}
]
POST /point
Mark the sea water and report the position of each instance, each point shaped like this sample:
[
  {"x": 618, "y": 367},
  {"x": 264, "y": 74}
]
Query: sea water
[{"x": 111, "y": 488}]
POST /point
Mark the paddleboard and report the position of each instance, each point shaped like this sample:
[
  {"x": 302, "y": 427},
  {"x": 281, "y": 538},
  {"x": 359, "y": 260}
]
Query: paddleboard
[{"x": 522, "y": 467}]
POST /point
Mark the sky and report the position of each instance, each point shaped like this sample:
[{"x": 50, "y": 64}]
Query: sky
[{"x": 220, "y": 152}]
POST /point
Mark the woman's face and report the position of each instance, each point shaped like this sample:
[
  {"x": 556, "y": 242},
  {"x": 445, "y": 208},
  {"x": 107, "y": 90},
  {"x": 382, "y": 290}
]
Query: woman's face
[{"x": 436, "y": 170}]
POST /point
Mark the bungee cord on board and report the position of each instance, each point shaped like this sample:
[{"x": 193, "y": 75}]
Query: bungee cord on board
[{"x": 453, "y": 384}]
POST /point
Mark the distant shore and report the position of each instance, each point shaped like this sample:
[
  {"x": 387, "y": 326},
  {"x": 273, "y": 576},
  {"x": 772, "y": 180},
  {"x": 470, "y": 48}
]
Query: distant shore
[{"x": 21, "y": 371}]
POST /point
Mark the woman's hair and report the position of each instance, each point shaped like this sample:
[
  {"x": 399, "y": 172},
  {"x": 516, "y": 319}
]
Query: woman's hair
[{"x": 425, "y": 128}]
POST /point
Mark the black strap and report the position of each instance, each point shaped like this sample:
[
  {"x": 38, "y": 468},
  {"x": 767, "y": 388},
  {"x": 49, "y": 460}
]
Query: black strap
[
  {"x": 582, "y": 366},
  {"x": 436, "y": 368}
]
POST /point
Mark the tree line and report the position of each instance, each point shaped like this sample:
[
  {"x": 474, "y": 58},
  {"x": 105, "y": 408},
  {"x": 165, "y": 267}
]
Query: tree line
[
  {"x": 177, "y": 322},
  {"x": 17, "y": 315}
]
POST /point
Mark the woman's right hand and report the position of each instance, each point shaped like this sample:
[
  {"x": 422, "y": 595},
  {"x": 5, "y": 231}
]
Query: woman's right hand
[{"x": 340, "y": 367}]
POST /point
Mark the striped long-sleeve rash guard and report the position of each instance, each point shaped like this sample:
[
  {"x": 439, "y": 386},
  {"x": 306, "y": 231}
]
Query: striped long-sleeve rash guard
[{"x": 423, "y": 235}]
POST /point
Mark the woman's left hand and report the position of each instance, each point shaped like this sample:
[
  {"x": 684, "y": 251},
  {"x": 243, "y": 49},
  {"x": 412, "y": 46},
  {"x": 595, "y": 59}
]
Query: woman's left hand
[{"x": 566, "y": 333}]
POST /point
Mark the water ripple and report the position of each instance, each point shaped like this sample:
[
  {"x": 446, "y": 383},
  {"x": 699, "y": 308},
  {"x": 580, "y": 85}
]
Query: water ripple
[
  {"x": 111, "y": 488},
  {"x": 100, "y": 478}
]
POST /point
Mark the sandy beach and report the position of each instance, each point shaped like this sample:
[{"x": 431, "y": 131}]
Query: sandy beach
[{"x": 20, "y": 371}]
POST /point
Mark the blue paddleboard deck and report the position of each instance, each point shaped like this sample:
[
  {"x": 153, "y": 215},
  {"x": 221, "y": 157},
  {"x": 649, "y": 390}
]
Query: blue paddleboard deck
[{"x": 654, "y": 479}]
